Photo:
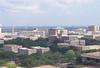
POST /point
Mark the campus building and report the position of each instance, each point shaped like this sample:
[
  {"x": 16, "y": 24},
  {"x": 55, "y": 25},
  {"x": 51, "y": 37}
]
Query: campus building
[{"x": 11, "y": 47}]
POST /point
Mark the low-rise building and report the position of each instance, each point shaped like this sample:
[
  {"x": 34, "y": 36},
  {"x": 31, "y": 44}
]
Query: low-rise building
[
  {"x": 35, "y": 34},
  {"x": 41, "y": 50},
  {"x": 12, "y": 48},
  {"x": 62, "y": 45},
  {"x": 1, "y": 41},
  {"x": 94, "y": 56},
  {"x": 90, "y": 47},
  {"x": 25, "y": 51}
]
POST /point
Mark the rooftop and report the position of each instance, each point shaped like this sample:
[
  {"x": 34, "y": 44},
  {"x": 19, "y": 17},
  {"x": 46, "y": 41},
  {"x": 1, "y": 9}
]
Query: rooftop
[{"x": 95, "y": 55}]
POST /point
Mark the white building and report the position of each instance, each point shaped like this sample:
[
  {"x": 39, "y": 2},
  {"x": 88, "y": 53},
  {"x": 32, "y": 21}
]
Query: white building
[
  {"x": 1, "y": 41},
  {"x": 25, "y": 51},
  {"x": 0, "y": 30},
  {"x": 41, "y": 50},
  {"x": 90, "y": 47},
  {"x": 35, "y": 34}
]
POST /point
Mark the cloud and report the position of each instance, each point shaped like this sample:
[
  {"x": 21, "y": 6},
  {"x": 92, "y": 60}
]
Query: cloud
[
  {"x": 75, "y": 1},
  {"x": 38, "y": 6},
  {"x": 24, "y": 8},
  {"x": 17, "y": 6}
]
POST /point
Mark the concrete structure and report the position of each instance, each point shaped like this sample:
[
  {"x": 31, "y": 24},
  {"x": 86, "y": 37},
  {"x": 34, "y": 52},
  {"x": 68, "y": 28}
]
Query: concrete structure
[
  {"x": 80, "y": 31},
  {"x": 12, "y": 47},
  {"x": 41, "y": 50},
  {"x": 51, "y": 40},
  {"x": 35, "y": 34},
  {"x": 92, "y": 36},
  {"x": 38, "y": 50},
  {"x": 82, "y": 42},
  {"x": 25, "y": 51},
  {"x": 63, "y": 45},
  {"x": 89, "y": 36},
  {"x": 94, "y": 28},
  {"x": 90, "y": 47},
  {"x": 95, "y": 56},
  {"x": 75, "y": 42},
  {"x": 0, "y": 30},
  {"x": 97, "y": 38},
  {"x": 72, "y": 37},
  {"x": 8, "y": 36},
  {"x": 58, "y": 32},
  {"x": 1, "y": 41}
]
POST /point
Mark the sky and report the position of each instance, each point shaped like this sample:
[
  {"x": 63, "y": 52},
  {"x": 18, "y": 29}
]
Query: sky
[{"x": 49, "y": 12}]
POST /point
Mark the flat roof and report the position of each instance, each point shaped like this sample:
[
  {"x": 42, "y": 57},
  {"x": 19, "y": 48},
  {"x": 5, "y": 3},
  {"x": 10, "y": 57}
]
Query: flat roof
[
  {"x": 95, "y": 55},
  {"x": 47, "y": 66},
  {"x": 91, "y": 46}
]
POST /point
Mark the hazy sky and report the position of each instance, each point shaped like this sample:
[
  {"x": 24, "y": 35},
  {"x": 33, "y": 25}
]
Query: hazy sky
[{"x": 49, "y": 12}]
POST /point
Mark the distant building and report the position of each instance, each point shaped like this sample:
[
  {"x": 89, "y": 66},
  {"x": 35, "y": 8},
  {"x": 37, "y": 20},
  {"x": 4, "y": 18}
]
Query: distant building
[
  {"x": 94, "y": 28},
  {"x": 0, "y": 30},
  {"x": 1, "y": 41},
  {"x": 80, "y": 31},
  {"x": 35, "y": 34},
  {"x": 92, "y": 36},
  {"x": 76, "y": 42},
  {"x": 58, "y": 32},
  {"x": 63, "y": 45},
  {"x": 94, "y": 56},
  {"x": 29, "y": 51},
  {"x": 82, "y": 42},
  {"x": 25, "y": 51},
  {"x": 90, "y": 47},
  {"x": 12, "y": 48},
  {"x": 41, "y": 50},
  {"x": 87, "y": 48}
]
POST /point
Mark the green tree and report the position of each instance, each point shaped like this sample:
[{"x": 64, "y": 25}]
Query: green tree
[
  {"x": 11, "y": 65},
  {"x": 70, "y": 54}
]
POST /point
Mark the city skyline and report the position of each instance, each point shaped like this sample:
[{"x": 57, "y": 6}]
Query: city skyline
[{"x": 49, "y": 12}]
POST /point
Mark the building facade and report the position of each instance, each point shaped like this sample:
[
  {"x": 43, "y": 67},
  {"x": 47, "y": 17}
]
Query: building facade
[{"x": 12, "y": 48}]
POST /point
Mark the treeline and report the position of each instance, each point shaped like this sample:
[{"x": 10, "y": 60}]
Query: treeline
[
  {"x": 43, "y": 42},
  {"x": 35, "y": 59}
]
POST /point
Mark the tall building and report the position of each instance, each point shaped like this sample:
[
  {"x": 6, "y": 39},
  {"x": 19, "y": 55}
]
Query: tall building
[
  {"x": 58, "y": 32},
  {"x": 94, "y": 28}
]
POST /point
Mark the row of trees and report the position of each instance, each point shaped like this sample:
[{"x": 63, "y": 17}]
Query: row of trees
[
  {"x": 36, "y": 59},
  {"x": 43, "y": 42}
]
